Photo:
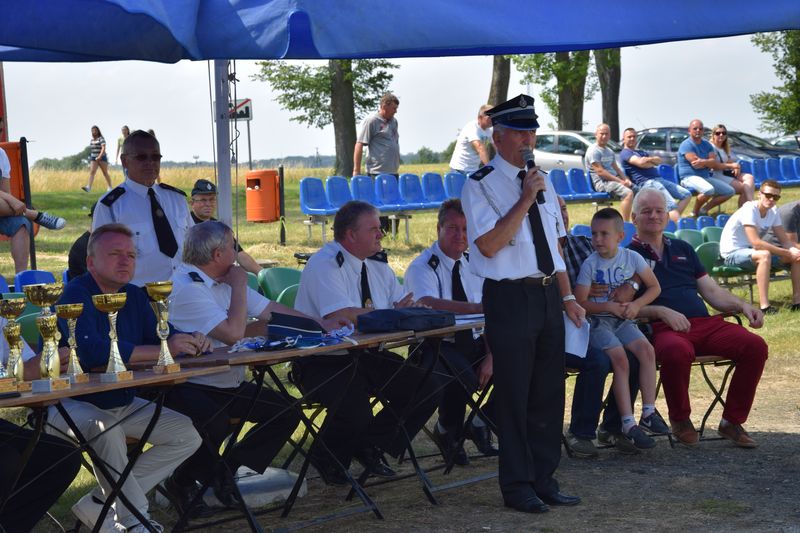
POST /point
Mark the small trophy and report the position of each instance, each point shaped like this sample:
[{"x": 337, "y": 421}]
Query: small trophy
[
  {"x": 71, "y": 312},
  {"x": 159, "y": 291},
  {"x": 11, "y": 376},
  {"x": 111, "y": 304},
  {"x": 44, "y": 295}
]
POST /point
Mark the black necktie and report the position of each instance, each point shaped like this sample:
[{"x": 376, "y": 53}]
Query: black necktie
[
  {"x": 166, "y": 239},
  {"x": 366, "y": 295},
  {"x": 463, "y": 338},
  {"x": 544, "y": 259}
]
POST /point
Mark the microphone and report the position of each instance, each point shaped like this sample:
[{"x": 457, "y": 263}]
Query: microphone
[{"x": 527, "y": 155}]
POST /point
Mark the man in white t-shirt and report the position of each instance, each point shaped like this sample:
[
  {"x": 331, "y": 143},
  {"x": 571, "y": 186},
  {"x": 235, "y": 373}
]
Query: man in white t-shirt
[
  {"x": 470, "y": 152},
  {"x": 743, "y": 243}
]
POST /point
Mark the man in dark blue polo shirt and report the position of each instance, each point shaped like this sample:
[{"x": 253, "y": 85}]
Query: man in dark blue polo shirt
[{"x": 683, "y": 329}]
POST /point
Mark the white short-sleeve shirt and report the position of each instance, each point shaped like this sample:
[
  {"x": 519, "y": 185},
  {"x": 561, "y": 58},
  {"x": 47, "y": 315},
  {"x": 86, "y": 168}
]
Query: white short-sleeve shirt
[
  {"x": 733, "y": 236},
  {"x": 198, "y": 303},
  {"x": 465, "y": 158},
  {"x": 486, "y": 201}
]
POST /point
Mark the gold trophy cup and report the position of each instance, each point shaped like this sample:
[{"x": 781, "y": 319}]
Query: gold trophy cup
[
  {"x": 71, "y": 312},
  {"x": 111, "y": 304},
  {"x": 44, "y": 295},
  {"x": 159, "y": 291},
  {"x": 11, "y": 375}
]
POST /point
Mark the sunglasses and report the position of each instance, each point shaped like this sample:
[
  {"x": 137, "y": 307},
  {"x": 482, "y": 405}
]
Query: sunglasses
[
  {"x": 155, "y": 158},
  {"x": 770, "y": 196},
  {"x": 720, "y": 133}
]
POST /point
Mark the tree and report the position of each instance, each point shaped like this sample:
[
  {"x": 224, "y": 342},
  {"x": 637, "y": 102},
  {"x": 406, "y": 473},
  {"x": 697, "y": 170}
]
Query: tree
[
  {"x": 780, "y": 110},
  {"x": 426, "y": 156},
  {"x": 71, "y": 162},
  {"x": 609, "y": 73},
  {"x": 501, "y": 74},
  {"x": 563, "y": 78},
  {"x": 339, "y": 93}
]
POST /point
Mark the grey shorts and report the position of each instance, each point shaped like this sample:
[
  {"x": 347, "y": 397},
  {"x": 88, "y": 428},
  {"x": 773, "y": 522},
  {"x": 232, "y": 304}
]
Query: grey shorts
[
  {"x": 614, "y": 188},
  {"x": 609, "y": 332},
  {"x": 10, "y": 225}
]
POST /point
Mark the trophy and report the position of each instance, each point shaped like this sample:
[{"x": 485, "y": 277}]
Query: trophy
[
  {"x": 159, "y": 291},
  {"x": 44, "y": 295},
  {"x": 111, "y": 304},
  {"x": 11, "y": 376},
  {"x": 71, "y": 312}
]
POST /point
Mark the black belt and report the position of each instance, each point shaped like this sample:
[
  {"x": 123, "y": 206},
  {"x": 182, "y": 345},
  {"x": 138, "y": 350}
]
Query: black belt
[{"x": 539, "y": 282}]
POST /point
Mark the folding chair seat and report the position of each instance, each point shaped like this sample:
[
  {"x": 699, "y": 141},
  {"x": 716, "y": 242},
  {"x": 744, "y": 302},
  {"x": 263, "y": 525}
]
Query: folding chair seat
[
  {"x": 411, "y": 192},
  {"x": 337, "y": 191},
  {"x": 711, "y": 233},
  {"x": 274, "y": 280},
  {"x": 433, "y": 187},
  {"x": 692, "y": 236},
  {"x": 726, "y": 276},
  {"x": 454, "y": 183},
  {"x": 288, "y": 295},
  {"x": 32, "y": 277}
]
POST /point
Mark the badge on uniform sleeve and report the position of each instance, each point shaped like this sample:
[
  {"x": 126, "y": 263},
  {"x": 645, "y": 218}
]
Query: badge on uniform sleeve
[
  {"x": 196, "y": 277},
  {"x": 433, "y": 262},
  {"x": 340, "y": 259}
]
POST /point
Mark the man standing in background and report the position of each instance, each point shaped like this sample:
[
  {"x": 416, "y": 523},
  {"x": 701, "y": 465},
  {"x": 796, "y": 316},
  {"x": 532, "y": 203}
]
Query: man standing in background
[
  {"x": 379, "y": 134},
  {"x": 470, "y": 152}
]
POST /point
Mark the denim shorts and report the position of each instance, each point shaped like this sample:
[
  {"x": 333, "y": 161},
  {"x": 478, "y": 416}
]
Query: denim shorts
[
  {"x": 10, "y": 225},
  {"x": 743, "y": 258},
  {"x": 609, "y": 332}
]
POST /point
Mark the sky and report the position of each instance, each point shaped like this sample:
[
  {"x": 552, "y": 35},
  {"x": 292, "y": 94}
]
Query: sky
[{"x": 54, "y": 105}]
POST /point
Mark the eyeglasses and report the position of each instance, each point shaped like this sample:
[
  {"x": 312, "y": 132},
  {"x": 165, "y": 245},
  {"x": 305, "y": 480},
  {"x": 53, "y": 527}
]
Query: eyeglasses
[
  {"x": 155, "y": 158},
  {"x": 770, "y": 196},
  {"x": 720, "y": 133}
]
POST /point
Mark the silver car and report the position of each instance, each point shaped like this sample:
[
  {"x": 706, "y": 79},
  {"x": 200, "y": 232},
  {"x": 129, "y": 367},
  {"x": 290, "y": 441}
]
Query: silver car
[
  {"x": 788, "y": 141},
  {"x": 565, "y": 149}
]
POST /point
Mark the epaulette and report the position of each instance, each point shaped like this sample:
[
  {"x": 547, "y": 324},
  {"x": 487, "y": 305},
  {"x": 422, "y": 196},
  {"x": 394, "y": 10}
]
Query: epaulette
[
  {"x": 380, "y": 256},
  {"x": 481, "y": 173},
  {"x": 196, "y": 277},
  {"x": 339, "y": 258},
  {"x": 113, "y": 196},
  {"x": 466, "y": 256},
  {"x": 433, "y": 262},
  {"x": 171, "y": 188}
]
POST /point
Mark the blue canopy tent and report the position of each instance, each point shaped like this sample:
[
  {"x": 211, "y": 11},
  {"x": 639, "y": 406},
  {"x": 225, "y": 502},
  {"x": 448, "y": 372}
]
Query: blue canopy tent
[{"x": 171, "y": 30}]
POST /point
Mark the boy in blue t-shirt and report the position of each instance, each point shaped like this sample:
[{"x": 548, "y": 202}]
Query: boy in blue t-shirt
[{"x": 612, "y": 326}]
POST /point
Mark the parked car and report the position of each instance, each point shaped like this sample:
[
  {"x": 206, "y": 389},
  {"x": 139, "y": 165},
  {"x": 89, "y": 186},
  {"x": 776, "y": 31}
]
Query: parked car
[
  {"x": 664, "y": 142},
  {"x": 740, "y": 139},
  {"x": 565, "y": 149},
  {"x": 788, "y": 141}
]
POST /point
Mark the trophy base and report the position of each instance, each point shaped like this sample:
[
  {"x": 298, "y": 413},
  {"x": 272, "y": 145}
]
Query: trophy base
[
  {"x": 49, "y": 385},
  {"x": 116, "y": 377},
  {"x": 78, "y": 378},
  {"x": 8, "y": 385},
  {"x": 23, "y": 386},
  {"x": 167, "y": 369}
]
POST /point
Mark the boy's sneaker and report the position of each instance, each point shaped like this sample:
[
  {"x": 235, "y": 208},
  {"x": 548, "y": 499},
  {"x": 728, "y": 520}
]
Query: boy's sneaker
[
  {"x": 88, "y": 511},
  {"x": 639, "y": 438},
  {"x": 622, "y": 444},
  {"x": 583, "y": 448},
  {"x": 49, "y": 221},
  {"x": 654, "y": 424}
]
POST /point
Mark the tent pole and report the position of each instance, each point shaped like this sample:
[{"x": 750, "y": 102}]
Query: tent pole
[{"x": 221, "y": 94}]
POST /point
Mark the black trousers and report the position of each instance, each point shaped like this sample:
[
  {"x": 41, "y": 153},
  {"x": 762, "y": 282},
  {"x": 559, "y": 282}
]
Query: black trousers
[
  {"x": 525, "y": 330},
  {"x": 211, "y": 410},
  {"x": 54, "y": 459},
  {"x": 350, "y": 424},
  {"x": 456, "y": 389}
]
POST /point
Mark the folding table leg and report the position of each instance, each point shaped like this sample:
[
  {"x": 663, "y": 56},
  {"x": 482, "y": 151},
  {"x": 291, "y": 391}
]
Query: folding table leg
[{"x": 718, "y": 392}]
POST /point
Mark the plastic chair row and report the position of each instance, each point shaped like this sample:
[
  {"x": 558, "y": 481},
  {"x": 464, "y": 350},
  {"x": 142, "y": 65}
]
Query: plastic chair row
[
  {"x": 273, "y": 281},
  {"x": 700, "y": 222},
  {"x": 784, "y": 170},
  {"x": 575, "y": 186},
  {"x": 586, "y": 231}
]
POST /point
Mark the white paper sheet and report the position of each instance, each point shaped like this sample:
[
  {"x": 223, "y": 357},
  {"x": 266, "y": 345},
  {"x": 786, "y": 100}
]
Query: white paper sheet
[{"x": 576, "y": 340}]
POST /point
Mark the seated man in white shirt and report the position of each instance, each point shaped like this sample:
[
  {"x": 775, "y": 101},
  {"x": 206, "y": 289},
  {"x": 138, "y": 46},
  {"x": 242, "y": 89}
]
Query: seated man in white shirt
[
  {"x": 440, "y": 278},
  {"x": 742, "y": 243}
]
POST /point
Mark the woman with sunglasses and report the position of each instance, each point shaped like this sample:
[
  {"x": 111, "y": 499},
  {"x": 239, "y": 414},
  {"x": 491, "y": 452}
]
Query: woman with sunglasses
[{"x": 730, "y": 171}]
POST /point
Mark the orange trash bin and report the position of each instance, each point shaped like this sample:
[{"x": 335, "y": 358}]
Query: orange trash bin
[{"x": 262, "y": 196}]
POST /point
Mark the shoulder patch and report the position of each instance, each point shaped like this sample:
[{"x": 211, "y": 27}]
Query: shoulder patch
[
  {"x": 466, "y": 256},
  {"x": 433, "y": 262},
  {"x": 171, "y": 188},
  {"x": 109, "y": 199},
  {"x": 481, "y": 173},
  {"x": 339, "y": 258},
  {"x": 196, "y": 277},
  {"x": 380, "y": 256}
]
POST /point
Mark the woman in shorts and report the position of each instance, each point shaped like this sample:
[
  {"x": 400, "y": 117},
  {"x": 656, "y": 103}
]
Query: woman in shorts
[
  {"x": 732, "y": 174},
  {"x": 98, "y": 158}
]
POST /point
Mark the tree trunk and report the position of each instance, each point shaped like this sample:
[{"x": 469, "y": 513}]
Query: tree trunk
[
  {"x": 501, "y": 73},
  {"x": 343, "y": 112},
  {"x": 571, "y": 82},
  {"x": 609, "y": 71}
]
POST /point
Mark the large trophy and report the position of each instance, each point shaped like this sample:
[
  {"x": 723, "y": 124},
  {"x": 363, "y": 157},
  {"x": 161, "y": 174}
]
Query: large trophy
[
  {"x": 11, "y": 375},
  {"x": 111, "y": 304},
  {"x": 159, "y": 291},
  {"x": 71, "y": 312},
  {"x": 44, "y": 295}
]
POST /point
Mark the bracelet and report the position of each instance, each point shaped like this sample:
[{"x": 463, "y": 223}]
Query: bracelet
[{"x": 568, "y": 298}]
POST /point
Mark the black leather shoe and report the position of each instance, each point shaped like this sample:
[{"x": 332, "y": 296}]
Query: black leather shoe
[
  {"x": 223, "y": 486},
  {"x": 371, "y": 457},
  {"x": 560, "y": 499},
  {"x": 180, "y": 496},
  {"x": 482, "y": 437},
  {"x": 532, "y": 505},
  {"x": 449, "y": 447}
]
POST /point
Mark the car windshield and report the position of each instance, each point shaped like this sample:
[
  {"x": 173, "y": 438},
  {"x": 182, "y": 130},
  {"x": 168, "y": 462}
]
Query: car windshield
[
  {"x": 592, "y": 138},
  {"x": 751, "y": 140}
]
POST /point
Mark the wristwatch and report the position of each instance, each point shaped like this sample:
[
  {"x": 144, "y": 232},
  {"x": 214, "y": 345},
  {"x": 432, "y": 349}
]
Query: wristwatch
[
  {"x": 568, "y": 298},
  {"x": 632, "y": 284}
]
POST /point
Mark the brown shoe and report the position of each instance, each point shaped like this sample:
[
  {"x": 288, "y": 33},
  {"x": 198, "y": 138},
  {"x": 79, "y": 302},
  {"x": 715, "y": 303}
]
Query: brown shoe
[
  {"x": 684, "y": 431},
  {"x": 737, "y": 435}
]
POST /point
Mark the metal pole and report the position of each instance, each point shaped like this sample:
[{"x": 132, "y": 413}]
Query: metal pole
[
  {"x": 249, "y": 149},
  {"x": 221, "y": 92},
  {"x": 26, "y": 191},
  {"x": 281, "y": 213}
]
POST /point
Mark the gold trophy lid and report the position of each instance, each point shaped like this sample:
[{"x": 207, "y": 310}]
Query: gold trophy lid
[
  {"x": 109, "y": 303},
  {"x": 44, "y": 294},
  {"x": 12, "y": 308},
  {"x": 159, "y": 290},
  {"x": 69, "y": 310}
]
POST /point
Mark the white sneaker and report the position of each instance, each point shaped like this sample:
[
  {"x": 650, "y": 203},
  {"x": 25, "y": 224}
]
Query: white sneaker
[{"x": 87, "y": 511}]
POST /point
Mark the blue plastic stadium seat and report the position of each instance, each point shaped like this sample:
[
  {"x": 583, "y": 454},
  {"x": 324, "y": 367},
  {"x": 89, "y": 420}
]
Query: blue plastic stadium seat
[
  {"x": 453, "y": 183},
  {"x": 668, "y": 173},
  {"x": 705, "y": 221},
  {"x": 583, "y": 230},
  {"x": 671, "y": 226},
  {"x": 3, "y": 284},
  {"x": 387, "y": 192},
  {"x": 32, "y": 277},
  {"x": 797, "y": 166},
  {"x": 722, "y": 220},
  {"x": 580, "y": 185},
  {"x": 561, "y": 185},
  {"x": 630, "y": 231},
  {"x": 746, "y": 166},
  {"x": 788, "y": 170},
  {"x": 774, "y": 169},
  {"x": 363, "y": 189},
  {"x": 433, "y": 187},
  {"x": 687, "y": 223},
  {"x": 337, "y": 191},
  {"x": 759, "y": 171},
  {"x": 312, "y": 198},
  {"x": 411, "y": 192}
]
